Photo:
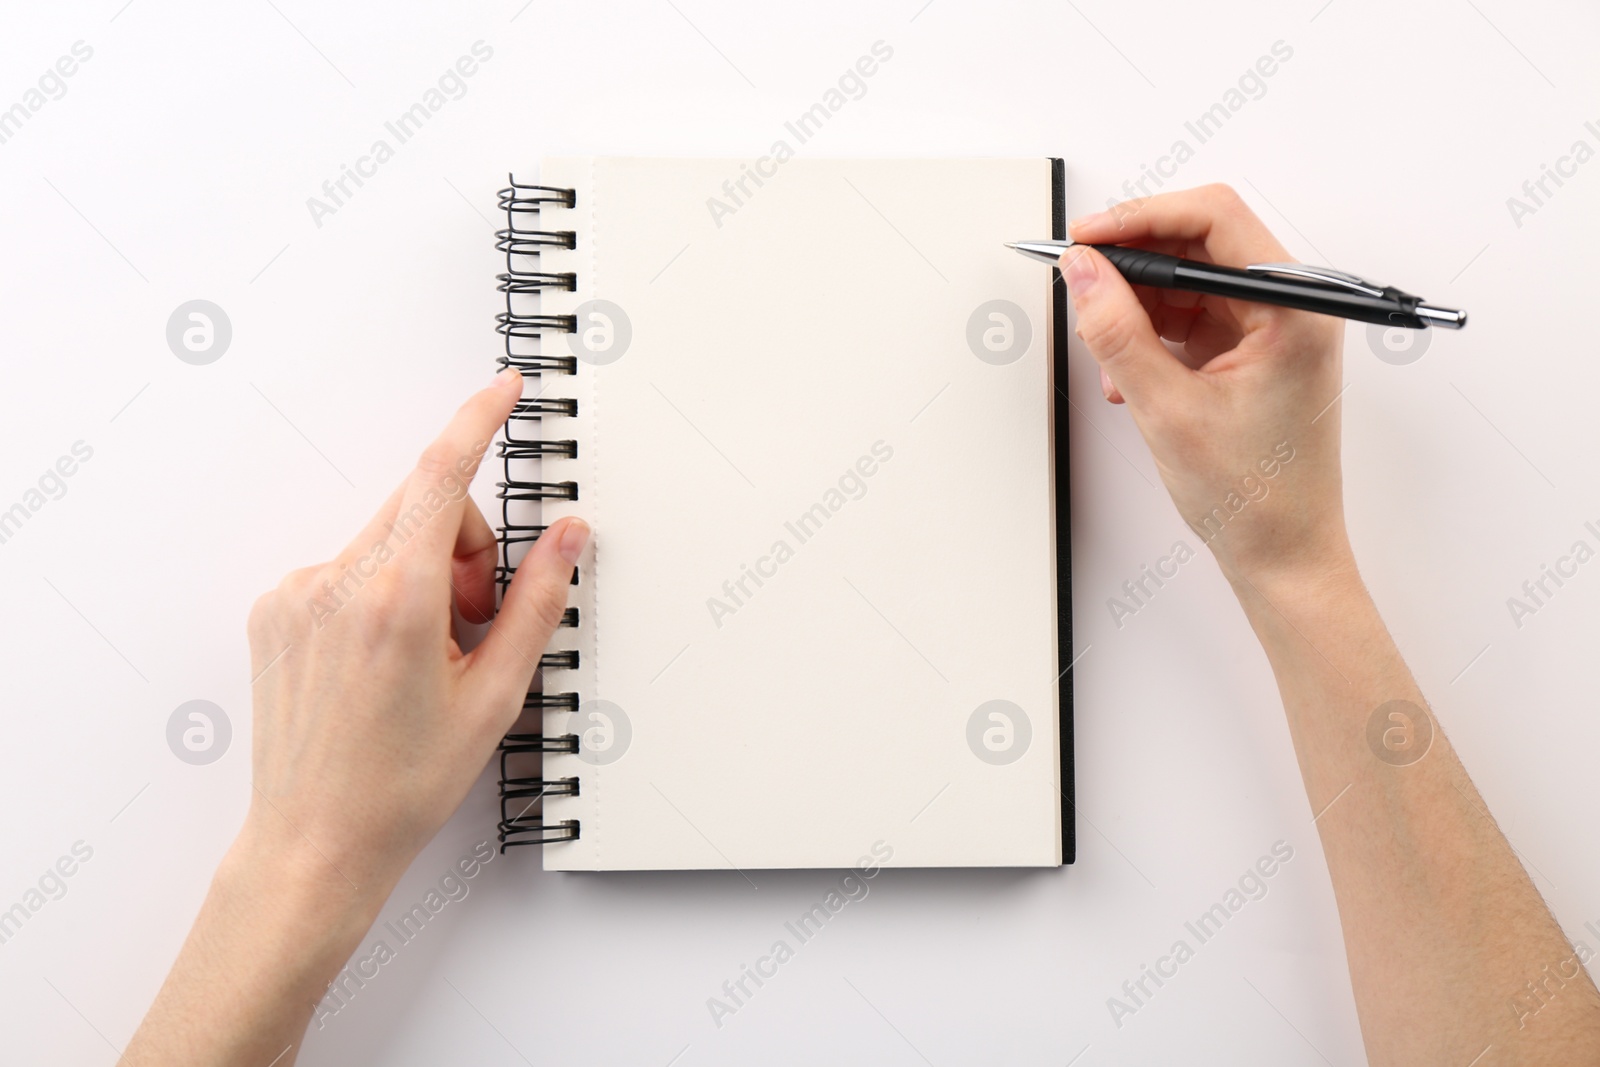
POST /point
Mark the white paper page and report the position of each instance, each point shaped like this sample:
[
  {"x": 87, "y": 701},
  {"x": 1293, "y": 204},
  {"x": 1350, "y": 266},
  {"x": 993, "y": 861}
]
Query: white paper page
[{"x": 801, "y": 348}]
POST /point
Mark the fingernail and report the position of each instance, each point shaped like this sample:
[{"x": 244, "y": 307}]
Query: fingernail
[
  {"x": 1094, "y": 218},
  {"x": 1105, "y": 384},
  {"x": 573, "y": 538},
  {"x": 1078, "y": 268},
  {"x": 508, "y": 379}
]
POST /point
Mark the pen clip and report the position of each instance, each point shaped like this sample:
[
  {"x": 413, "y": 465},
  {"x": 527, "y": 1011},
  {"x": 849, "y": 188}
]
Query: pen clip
[{"x": 1319, "y": 274}]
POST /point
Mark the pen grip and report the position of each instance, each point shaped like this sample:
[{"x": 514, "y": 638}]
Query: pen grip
[
  {"x": 1389, "y": 308},
  {"x": 1141, "y": 267}
]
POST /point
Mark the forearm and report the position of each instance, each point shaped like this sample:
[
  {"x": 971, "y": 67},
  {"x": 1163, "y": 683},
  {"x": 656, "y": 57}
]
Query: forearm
[
  {"x": 279, "y": 922},
  {"x": 1443, "y": 928}
]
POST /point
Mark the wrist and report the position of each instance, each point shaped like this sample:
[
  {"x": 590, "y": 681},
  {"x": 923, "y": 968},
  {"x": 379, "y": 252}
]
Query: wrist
[
  {"x": 276, "y": 927},
  {"x": 1330, "y": 573},
  {"x": 304, "y": 911}
]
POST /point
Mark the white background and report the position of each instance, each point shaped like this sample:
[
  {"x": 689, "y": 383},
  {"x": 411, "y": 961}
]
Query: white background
[{"x": 178, "y": 165}]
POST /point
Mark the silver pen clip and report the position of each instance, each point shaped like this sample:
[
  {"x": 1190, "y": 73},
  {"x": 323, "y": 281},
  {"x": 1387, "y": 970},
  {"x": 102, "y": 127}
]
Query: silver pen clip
[{"x": 1320, "y": 274}]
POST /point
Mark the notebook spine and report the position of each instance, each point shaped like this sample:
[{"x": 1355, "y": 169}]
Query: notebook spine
[{"x": 532, "y": 437}]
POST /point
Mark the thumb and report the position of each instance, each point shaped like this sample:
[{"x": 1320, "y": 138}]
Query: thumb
[
  {"x": 532, "y": 608},
  {"x": 1118, "y": 333}
]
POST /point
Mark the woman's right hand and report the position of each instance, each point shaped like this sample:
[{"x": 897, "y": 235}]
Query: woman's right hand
[{"x": 1243, "y": 425}]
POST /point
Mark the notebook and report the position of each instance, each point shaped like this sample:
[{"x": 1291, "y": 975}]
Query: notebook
[{"x": 806, "y": 406}]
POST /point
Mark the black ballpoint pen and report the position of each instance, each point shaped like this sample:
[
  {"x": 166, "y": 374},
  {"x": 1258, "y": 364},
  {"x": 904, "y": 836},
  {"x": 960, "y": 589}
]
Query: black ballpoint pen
[{"x": 1292, "y": 285}]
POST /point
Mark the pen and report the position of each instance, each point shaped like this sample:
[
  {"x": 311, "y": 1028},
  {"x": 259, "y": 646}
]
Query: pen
[{"x": 1291, "y": 285}]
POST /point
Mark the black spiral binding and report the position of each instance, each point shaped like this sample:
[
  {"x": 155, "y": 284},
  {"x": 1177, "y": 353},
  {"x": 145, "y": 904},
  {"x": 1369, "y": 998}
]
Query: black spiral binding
[{"x": 522, "y": 328}]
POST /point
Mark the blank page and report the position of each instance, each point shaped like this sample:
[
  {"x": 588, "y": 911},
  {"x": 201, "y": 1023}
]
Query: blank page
[{"x": 815, "y": 447}]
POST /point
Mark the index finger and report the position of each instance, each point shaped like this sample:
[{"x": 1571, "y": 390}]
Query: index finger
[
  {"x": 1213, "y": 215},
  {"x": 434, "y": 498}
]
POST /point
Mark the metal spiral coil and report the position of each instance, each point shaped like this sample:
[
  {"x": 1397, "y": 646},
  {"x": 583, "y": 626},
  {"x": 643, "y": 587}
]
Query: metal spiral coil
[
  {"x": 550, "y": 701},
  {"x": 539, "y": 406},
  {"x": 533, "y": 325},
  {"x": 529, "y": 242},
  {"x": 537, "y": 788},
  {"x": 532, "y": 281},
  {"x": 520, "y": 490},
  {"x": 522, "y": 327},
  {"x": 534, "y": 449}
]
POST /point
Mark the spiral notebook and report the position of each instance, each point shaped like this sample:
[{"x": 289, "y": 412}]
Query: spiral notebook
[{"x": 807, "y": 407}]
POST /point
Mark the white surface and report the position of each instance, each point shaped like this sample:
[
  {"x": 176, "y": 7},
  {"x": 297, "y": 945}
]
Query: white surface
[
  {"x": 806, "y": 335},
  {"x": 1388, "y": 144}
]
